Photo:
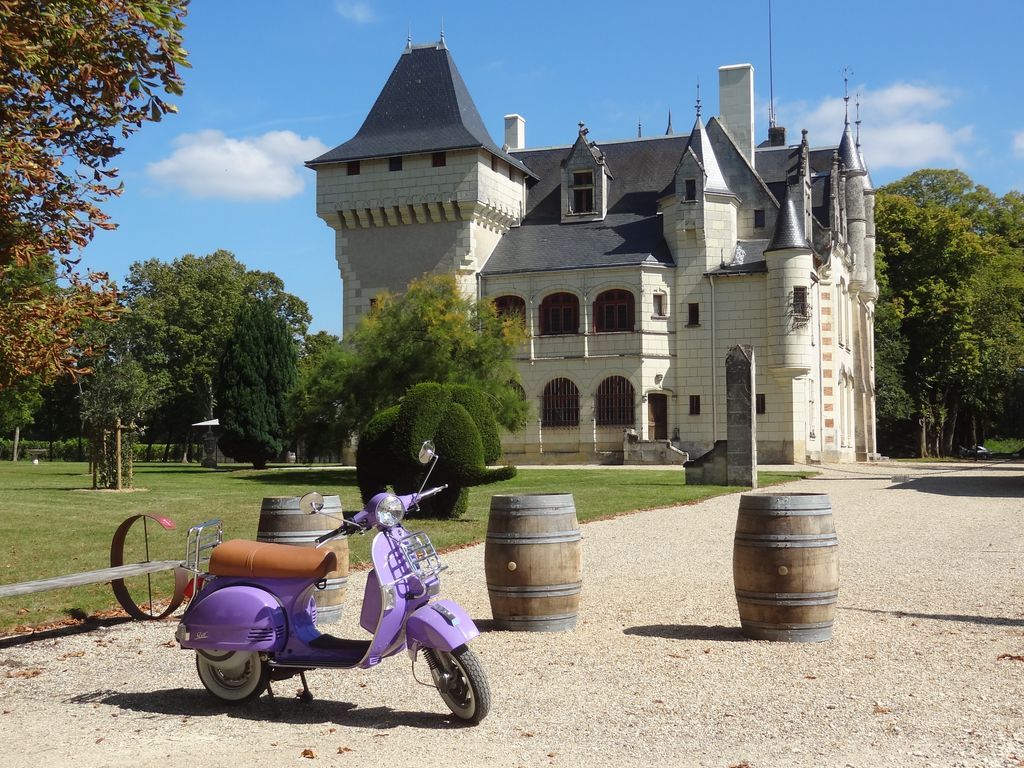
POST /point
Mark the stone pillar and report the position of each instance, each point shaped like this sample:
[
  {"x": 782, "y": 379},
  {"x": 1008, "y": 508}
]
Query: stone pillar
[{"x": 741, "y": 423}]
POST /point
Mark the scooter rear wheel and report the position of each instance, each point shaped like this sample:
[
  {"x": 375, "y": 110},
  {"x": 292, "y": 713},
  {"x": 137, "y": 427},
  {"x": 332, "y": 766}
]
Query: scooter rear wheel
[
  {"x": 461, "y": 681},
  {"x": 235, "y": 676}
]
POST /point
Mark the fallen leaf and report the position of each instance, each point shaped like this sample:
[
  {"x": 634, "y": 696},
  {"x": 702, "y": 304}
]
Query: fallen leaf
[
  {"x": 707, "y": 650},
  {"x": 309, "y": 754},
  {"x": 810, "y": 677},
  {"x": 676, "y": 656},
  {"x": 99, "y": 739},
  {"x": 880, "y": 710},
  {"x": 75, "y": 655},
  {"x": 1009, "y": 657},
  {"x": 343, "y": 750},
  {"x": 26, "y": 673},
  {"x": 527, "y": 734}
]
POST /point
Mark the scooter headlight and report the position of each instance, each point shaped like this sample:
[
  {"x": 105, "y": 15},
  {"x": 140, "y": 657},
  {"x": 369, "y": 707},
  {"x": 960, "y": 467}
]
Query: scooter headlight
[{"x": 389, "y": 512}]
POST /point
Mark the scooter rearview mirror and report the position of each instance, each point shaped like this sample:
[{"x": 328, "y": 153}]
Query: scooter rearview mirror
[
  {"x": 427, "y": 452},
  {"x": 311, "y": 503}
]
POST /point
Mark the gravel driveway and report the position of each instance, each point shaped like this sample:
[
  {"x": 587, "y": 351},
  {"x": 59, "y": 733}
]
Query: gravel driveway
[{"x": 924, "y": 669}]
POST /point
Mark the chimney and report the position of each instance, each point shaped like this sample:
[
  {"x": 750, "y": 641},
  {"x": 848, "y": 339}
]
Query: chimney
[
  {"x": 515, "y": 132},
  {"x": 776, "y": 136},
  {"x": 736, "y": 105}
]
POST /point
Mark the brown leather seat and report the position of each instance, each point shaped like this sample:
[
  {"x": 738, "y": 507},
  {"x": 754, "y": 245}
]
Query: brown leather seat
[{"x": 240, "y": 557}]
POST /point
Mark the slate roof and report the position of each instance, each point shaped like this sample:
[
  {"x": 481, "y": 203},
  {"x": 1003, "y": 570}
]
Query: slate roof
[
  {"x": 631, "y": 233},
  {"x": 789, "y": 229},
  {"x": 424, "y": 107},
  {"x": 705, "y": 154}
]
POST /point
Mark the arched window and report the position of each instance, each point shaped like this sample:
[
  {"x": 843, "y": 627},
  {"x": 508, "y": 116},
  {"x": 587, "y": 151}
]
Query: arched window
[
  {"x": 511, "y": 307},
  {"x": 559, "y": 313},
  {"x": 561, "y": 406},
  {"x": 613, "y": 311},
  {"x": 615, "y": 403}
]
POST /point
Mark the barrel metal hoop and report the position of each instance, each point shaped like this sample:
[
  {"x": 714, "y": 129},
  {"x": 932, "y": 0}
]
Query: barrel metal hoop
[
  {"x": 787, "y": 625},
  {"x": 550, "y": 537},
  {"x": 551, "y": 620},
  {"x": 543, "y": 590},
  {"x": 786, "y": 598},
  {"x": 771, "y": 541}
]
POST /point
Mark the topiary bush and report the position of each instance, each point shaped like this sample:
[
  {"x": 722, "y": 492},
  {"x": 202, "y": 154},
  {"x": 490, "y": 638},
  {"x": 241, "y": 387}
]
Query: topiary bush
[{"x": 464, "y": 431}]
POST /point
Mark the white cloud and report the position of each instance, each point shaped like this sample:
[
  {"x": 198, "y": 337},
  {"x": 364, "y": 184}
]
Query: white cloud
[
  {"x": 900, "y": 126},
  {"x": 359, "y": 12},
  {"x": 1018, "y": 144},
  {"x": 209, "y": 164}
]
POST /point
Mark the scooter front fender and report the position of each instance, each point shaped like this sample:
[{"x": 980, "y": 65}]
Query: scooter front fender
[
  {"x": 235, "y": 617},
  {"x": 443, "y": 624}
]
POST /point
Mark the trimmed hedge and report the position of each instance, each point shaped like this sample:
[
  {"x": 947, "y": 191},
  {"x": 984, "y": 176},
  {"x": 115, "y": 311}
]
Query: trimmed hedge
[{"x": 389, "y": 446}]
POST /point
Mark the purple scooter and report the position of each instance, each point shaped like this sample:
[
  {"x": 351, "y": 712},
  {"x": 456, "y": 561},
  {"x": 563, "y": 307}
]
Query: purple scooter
[{"x": 253, "y": 618}]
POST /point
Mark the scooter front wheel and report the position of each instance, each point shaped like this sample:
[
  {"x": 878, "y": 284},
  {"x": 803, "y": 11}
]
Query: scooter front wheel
[
  {"x": 461, "y": 681},
  {"x": 234, "y": 676}
]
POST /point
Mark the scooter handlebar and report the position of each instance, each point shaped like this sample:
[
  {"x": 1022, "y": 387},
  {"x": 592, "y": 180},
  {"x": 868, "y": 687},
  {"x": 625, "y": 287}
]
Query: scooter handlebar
[
  {"x": 428, "y": 493},
  {"x": 338, "y": 531}
]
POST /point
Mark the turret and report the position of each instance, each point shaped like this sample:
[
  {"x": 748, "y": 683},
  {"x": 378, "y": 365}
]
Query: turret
[
  {"x": 790, "y": 263},
  {"x": 854, "y": 176},
  {"x": 704, "y": 201}
]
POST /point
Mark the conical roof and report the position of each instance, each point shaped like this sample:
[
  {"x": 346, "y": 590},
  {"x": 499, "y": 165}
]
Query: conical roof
[
  {"x": 789, "y": 228},
  {"x": 700, "y": 145},
  {"x": 848, "y": 153},
  {"x": 424, "y": 107}
]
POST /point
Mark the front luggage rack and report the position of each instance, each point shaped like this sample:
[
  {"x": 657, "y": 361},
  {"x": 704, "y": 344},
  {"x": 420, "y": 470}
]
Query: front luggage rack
[
  {"x": 421, "y": 557},
  {"x": 199, "y": 544}
]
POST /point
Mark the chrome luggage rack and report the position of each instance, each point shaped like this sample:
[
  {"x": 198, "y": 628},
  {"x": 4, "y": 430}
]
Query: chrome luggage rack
[
  {"x": 199, "y": 544},
  {"x": 421, "y": 557}
]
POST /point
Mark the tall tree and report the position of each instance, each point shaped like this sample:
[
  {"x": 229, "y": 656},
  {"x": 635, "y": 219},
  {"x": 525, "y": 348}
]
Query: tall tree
[
  {"x": 180, "y": 317},
  {"x": 75, "y": 77},
  {"x": 951, "y": 309},
  {"x": 429, "y": 333},
  {"x": 256, "y": 373}
]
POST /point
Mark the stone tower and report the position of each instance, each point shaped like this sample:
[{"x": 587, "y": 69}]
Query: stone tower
[{"x": 420, "y": 188}]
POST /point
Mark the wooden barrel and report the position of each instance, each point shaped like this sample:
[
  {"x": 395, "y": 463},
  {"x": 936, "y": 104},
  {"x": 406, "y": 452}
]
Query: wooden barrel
[
  {"x": 785, "y": 566},
  {"x": 282, "y": 522},
  {"x": 532, "y": 561}
]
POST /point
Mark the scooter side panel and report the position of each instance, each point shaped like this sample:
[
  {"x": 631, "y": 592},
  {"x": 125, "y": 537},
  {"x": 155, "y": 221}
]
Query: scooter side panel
[
  {"x": 235, "y": 617},
  {"x": 443, "y": 624}
]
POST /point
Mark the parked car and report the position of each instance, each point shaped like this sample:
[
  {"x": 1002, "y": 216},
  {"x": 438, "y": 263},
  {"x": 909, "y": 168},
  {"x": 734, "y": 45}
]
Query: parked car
[{"x": 976, "y": 452}]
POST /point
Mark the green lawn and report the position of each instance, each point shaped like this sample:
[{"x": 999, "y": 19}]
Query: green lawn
[{"x": 52, "y": 523}]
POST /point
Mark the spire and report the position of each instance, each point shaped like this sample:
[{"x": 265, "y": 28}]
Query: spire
[
  {"x": 639, "y": 129},
  {"x": 771, "y": 73},
  {"x": 846, "y": 95},
  {"x": 668, "y": 130},
  {"x": 789, "y": 231},
  {"x": 697, "y": 105},
  {"x": 857, "y": 121},
  {"x": 408, "y": 40}
]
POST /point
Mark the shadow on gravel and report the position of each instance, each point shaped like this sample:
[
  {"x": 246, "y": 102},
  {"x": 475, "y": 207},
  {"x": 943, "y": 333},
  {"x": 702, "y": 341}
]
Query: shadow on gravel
[
  {"x": 181, "y": 702},
  {"x": 989, "y": 621},
  {"x": 688, "y": 632},
  {"x": 1005, "y": 487},
  {"x": 90, "y": 624}
]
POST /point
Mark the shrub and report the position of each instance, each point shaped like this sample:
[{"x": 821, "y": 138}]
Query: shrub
[{"x": 389, "y": 446}]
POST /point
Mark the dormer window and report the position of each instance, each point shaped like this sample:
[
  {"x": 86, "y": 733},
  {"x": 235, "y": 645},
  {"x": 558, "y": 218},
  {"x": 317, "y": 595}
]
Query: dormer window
[{"x": 583, "y": 192}]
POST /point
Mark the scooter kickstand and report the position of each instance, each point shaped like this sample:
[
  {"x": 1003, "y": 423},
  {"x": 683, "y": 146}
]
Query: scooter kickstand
[{"x": 304, "y": 695}]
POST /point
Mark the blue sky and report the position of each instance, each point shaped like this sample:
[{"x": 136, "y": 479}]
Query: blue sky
[{"x": 273, "y": 84}]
